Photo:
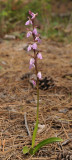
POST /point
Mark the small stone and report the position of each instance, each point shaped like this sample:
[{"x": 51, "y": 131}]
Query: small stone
[
  {"x": 63, "y": 110},
  {"x": 9, "y": 37},
  {"x": 3, "y": 62}
]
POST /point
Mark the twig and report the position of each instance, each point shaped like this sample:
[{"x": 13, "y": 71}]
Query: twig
[
  {"x": 41, "y": 158},
  {"x": 3, "y": 144},
  {"x": 26, "y": 124},
  {"x": 18, "y": 157},
  {"x": 30, "y": 157},
  {"x": 9, "y": 157},
  {"x": 65, "y": 131},
  {"x": 66, "y": 142}
]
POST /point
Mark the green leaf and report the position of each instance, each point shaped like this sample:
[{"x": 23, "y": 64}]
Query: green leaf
[
  {"x": 34, "y": 134},
  {"x": 25, "y": 150},
  {"x": 46, "y": 141},
  {"x": 31, "y": 151}
]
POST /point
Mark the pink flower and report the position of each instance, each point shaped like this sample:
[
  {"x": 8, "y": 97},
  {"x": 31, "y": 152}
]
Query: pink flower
[
  {"x": 29, "y": 48},
  {"x": 32, "y": 61},
  {"x": 34, "y": 46},
  {"x": 38, "y": 39},
  {"x": 31, "y": 13},
  {"x": 34, "y": 83},
  {"x": 39, "y": 75},
  {"x": 39, "y": 55},
  {"x": 28, "y": 22},
  {"x": 29, "y": 33},
  {"x": 35, "y": 31},
  {"x": 33, "y": 16}
]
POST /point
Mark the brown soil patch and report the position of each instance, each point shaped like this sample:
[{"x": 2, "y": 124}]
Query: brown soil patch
[{"x": 17, "y": 97}]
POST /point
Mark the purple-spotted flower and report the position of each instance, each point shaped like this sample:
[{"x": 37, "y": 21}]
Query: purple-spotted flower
[
  {"x": 32, "y": 61},
  {"x": 39, "y": 75},
  {"x": 29, "y": 48},
  {"x": 34, "y": 46},
  {"x": 29, "y": 33},
  {"x": 35, "y": 31},
  {"x": 28, "y": 22},
  {"x": 38, "y": 39},
  {"x": 39, "y": 55}
]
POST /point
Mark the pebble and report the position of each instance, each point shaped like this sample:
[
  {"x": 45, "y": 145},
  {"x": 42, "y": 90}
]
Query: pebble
[{"x": 63, "y": 110}]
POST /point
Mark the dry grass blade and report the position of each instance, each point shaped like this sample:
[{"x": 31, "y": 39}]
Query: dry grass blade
[{"x": 26, "y": 124}]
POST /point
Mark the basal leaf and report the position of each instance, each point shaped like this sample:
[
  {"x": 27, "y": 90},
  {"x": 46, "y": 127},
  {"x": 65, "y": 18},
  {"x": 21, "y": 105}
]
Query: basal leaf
[
  {"x": 31, "y": 151},
  {"x": 25, "y": 150},
  {"x": 46, "y": 141}
]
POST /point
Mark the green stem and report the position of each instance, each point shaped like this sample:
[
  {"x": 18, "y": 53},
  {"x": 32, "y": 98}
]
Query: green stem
[
  {"x": 36, "y": 126},
  {"x": 37, "y": 99}
]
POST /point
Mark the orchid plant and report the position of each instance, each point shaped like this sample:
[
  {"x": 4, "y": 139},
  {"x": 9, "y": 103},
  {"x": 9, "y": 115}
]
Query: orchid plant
[{"x": 33, "y": 64}]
